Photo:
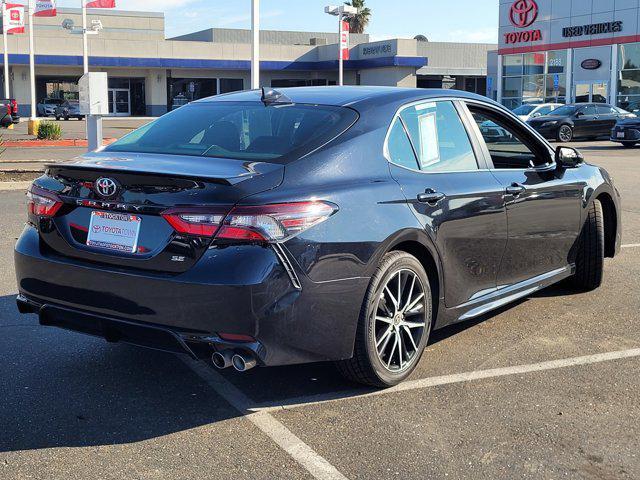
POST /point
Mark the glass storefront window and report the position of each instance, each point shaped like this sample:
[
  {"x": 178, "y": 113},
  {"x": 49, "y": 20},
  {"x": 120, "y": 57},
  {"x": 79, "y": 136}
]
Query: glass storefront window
[
  {"x": 556, "y": 61},
  {"x": 629, "y": 56},
  {"x": 556, "y": 86},
  {"x": 512, "y": 65},
  {"x": 534, "y": 63},
  {"x": 629, "y": 84},
  {"x": 630, "y": 103},
  {"x": 532, "y": 87},
  {"x": 512, "y": 87}
]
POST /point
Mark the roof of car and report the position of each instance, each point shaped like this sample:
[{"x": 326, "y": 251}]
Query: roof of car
[{"x": 345, "y": 96}]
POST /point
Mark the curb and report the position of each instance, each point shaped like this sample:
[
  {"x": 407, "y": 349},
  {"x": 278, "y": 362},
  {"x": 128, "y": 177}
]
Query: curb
[
  {"x": 14, "y": 186},
  {"x": 52, "y": 143}
]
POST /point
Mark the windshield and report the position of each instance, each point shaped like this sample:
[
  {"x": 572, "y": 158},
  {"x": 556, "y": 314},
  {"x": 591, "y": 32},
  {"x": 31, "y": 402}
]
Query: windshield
[
  {"x": 239, "y": 130},
  {"x": 524, "y": 109},
  {"x": 564, "y": 111}
]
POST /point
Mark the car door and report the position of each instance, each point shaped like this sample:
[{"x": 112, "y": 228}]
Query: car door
[
  {"x": 455, "y": 197},
  {"x": 543, "y": 202},
  {"x": 585, "y": 122},
  {"x": 607, "y": 118}
]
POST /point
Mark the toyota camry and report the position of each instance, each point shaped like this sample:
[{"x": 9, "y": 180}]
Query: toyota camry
[{"x": 270, "y": 227}]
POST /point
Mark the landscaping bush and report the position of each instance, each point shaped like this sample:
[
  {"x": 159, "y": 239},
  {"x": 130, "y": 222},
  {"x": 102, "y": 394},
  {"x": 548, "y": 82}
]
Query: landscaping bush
[{"x": 49, "y": 131}]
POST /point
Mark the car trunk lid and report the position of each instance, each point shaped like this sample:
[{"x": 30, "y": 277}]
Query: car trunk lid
[{"x": 138, "y": 188}]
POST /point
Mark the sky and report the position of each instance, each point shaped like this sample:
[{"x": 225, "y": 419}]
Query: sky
[{"x": 438, "y": 20}]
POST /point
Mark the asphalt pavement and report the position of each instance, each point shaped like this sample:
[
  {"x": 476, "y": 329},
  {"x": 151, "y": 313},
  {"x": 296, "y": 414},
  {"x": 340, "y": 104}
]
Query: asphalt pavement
[{"x": 546, "y": 388}]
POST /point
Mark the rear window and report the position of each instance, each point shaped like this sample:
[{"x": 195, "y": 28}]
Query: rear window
[{"x": 240, "y": 130}]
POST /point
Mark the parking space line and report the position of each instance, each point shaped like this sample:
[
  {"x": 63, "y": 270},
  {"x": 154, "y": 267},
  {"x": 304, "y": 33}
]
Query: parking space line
[
  {"x": 302, "y": 453},
  {"x": 450, "y": 379},
  {"x": 631, "y": 245}
]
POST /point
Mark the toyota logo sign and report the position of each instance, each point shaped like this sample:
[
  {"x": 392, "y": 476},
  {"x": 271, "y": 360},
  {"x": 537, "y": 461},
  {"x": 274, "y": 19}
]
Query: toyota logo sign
[
  {"x": 106, "y": 187},
  {"x": 523, "y": 13}
]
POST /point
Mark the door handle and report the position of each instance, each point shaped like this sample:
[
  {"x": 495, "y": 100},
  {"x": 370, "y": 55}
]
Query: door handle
[
  {"x": 515, "y": 189},
  {"x": 430, "y": 196}
]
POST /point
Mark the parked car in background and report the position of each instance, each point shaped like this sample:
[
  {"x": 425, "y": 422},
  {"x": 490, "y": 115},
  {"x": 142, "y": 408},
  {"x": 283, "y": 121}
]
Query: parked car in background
[
  {"x": 311, "y": 224},
  {"x": 9, "y": 112},
  {"x": 579, "y": 120},
  {"x": 626, "y": 132},
  {"x": 528, "y": 111},
  {"x": 633, "y": 107},
  {"x": 47, "y": 107},
  {"x": 68, "y": 109}
]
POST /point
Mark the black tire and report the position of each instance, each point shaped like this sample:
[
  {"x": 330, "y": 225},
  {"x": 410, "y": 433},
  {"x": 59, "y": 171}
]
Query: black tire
[
  {"x": 366, "y": 366},
  {"x": 590, "y": 255},
  {"x": 57, "y": 118},
  {"x": 628, "y": 145},
  {"x": 66, "y": 118},
  {"x": 564, "y": 133}
]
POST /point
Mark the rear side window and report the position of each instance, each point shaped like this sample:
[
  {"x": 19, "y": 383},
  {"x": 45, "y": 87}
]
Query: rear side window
[
  {"x": 606, "y": 110},
  {"x": 439, "y": 137},
  {"x": 399, "y": 147},
  {"x": 240, "y": 130}
]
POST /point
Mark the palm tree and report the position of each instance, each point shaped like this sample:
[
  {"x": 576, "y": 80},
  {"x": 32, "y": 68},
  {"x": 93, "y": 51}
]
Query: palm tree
[{"x": 359, "y": 22}]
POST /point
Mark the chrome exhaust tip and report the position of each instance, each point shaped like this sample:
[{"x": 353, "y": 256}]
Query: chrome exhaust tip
[
  {"x": 222, "y": 359},
  {"x": 243, "y": 362}
]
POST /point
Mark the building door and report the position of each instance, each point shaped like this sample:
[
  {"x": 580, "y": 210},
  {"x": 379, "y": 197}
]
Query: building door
[
  {"x": 591, "y": 92},
  {"x": 119, "y": 102}
]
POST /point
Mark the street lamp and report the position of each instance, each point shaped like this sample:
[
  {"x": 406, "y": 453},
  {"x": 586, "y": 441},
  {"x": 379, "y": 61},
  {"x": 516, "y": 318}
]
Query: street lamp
[
  {"x": 342, "y": 12},
  {"x": 94, "y": 29}
]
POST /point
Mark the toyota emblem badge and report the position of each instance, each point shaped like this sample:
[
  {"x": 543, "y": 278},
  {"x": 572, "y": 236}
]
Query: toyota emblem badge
[{"x": 106, "y": 187}]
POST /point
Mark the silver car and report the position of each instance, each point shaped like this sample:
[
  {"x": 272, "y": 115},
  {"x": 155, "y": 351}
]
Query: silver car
[
  {"x": 67, "y": 110},
  {"x": 47, "y": 107}
]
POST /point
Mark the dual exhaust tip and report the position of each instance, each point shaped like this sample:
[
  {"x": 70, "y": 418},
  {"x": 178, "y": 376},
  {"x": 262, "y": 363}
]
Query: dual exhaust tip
[{"x": 228, "y": 358}]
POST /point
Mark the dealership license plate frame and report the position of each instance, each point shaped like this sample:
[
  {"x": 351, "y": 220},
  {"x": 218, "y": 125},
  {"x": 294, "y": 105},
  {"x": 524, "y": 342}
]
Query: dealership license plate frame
[{"x": 115, "y": 232}]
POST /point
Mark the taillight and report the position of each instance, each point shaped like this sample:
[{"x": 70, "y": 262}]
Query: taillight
[
  {"x": 42, "y": 203},
  {"x": 14, "y": 106},
  {"x": 274, "y": 223},
  {"x": 203, "y": 222}
]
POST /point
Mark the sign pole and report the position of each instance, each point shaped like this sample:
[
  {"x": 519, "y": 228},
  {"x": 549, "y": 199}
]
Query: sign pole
[
  {"x": 85, "y": 43},
  {"x": 6, "y": 49},
  {"x": 255, "y": 44},
  {"x": 32, "y": 62},
  {"x": 340, "y": 61}
]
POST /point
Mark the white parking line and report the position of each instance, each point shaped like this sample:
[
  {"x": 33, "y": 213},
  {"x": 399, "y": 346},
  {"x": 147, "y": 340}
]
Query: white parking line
[
  {"x": 631, "y": 245},
  {"x": 302, "y": 453},
  {"x": 449, "y": 379}
]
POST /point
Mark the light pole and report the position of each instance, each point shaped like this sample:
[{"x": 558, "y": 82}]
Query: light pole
[
  {"x": 6, "y": 49},
  {"x": 255, "y": 44},
  {"x": 32, "y": 62},
  {"x": 342, "y": 12},
  {"x": 85, "y": 42}
]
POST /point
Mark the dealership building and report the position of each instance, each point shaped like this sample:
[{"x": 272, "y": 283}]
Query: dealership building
[
  {"x": 150, "y": 74},
  {"x": 567, "y": 51}
]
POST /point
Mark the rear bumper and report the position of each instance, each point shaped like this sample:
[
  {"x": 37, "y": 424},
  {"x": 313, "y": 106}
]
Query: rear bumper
[{"x": 241, "y": 290}]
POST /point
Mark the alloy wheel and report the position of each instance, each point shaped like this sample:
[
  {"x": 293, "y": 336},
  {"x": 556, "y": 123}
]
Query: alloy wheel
[
  {"x": 400, "y": 320},
  {"x": 565, "y": 133}
]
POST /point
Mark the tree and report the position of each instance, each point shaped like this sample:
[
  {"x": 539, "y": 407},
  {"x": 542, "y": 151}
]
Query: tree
[{"x": 359, "y": 22}]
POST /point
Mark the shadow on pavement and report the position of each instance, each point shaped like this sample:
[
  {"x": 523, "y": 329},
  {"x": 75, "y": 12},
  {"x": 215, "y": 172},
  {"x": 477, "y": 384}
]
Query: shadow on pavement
[
  {"x": 61, "y": 389},
  {"x": 65, "y": 389}
]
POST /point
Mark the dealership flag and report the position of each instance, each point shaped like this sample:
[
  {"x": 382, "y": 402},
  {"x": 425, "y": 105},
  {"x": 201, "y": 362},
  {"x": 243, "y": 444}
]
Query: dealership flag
[
  {"x": 45, "y": 8},
  {"x": 344, "y": 41},
  {"x": 13, "y": 18},
  {"x": 101, "y": 4}
]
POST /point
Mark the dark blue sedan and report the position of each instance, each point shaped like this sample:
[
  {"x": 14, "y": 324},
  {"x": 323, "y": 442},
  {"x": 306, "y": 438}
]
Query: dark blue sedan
[{"x": 312, "y": 224}]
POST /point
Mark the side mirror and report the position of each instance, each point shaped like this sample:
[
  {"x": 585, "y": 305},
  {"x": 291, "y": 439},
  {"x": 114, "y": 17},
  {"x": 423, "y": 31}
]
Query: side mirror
[
  {"x": 537, "y": 114},
  {"x": 567, "y": 157},
  {"x": 579, "y": 114}
]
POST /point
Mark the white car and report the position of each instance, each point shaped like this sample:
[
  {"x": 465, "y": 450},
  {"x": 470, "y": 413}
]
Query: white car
[{"x": 529, "y": 110}]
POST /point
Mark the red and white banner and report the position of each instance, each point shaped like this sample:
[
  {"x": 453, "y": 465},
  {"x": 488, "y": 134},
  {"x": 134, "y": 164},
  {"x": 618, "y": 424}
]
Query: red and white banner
[
  {"x": 45, "y": 8},
  {"x": 101, "y": 4},
  {"x": 344, "y": 41},
  {"x": 13, "y": 18}
]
